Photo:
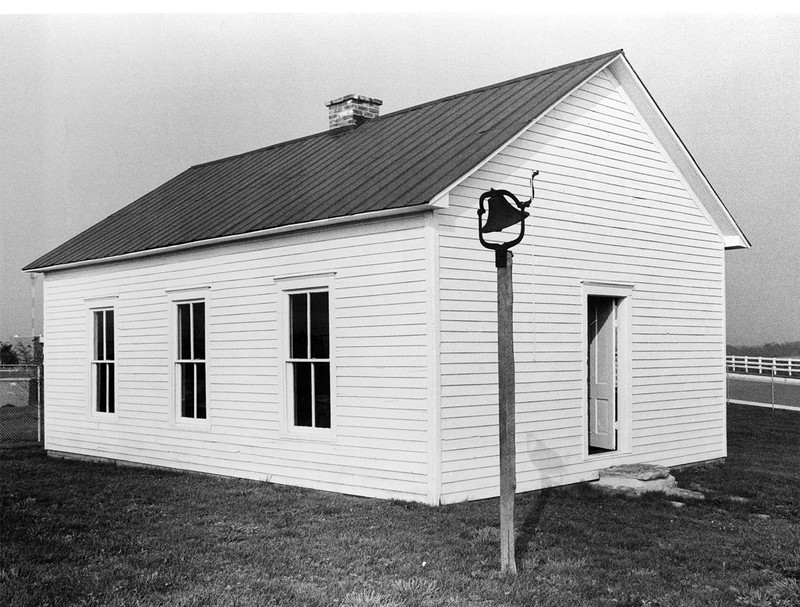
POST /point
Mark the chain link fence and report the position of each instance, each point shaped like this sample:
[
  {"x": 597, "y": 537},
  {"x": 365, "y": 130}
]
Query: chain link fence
[{"x": 21, "y": 405}]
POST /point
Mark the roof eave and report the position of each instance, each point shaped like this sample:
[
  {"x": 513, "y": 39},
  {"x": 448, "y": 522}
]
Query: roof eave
[
  {"x": 311, "y": 225},
  {"x": 735, "y": 242}
]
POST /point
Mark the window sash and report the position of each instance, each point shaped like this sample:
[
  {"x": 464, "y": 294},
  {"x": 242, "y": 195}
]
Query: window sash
[
  {"x": 308, "y": 364},
  {"x": 191, "y": 331},
  {"x": 104, "y": 386},
  {"x": 192, "y": 389},
  {"x": 309, "y": 326},
  {"x": 103, "y": 335},
  {"x": 190, "y": 363},
  {"x": 103, "y": 367},
  {"x": 310, "y": 393}
]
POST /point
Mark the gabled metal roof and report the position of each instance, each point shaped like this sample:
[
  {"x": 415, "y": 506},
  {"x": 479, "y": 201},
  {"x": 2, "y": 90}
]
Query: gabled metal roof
[{"x": 398, "y": 161}]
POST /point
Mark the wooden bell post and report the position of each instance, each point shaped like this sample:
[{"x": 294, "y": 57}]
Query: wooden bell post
[{"x": 502, "y": 215}]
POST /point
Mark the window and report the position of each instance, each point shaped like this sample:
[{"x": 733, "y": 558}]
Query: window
[
  {"x": 103, "y": 361},
  {"x": 191, "y": 360},
  {"x": 309, "y": 364}
]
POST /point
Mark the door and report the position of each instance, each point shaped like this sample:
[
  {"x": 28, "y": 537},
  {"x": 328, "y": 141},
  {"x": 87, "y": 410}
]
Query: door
[{"x": 602, "y": 380}]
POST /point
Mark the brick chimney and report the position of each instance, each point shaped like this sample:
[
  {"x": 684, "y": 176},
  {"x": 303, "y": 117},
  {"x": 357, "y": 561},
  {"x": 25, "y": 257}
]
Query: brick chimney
[{"x": 351, "y": 110}]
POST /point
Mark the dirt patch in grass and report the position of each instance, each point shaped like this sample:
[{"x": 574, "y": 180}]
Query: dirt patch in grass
[{"x": 78, "y": 533}]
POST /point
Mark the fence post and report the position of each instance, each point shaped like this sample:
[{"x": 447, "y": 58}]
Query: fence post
[
  {"x": 40, "y": 406},
  {"x": 772, "y": 385}
]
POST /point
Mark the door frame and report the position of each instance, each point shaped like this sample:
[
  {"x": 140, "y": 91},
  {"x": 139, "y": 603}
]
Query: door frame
[{"x": 624, "y": 296}]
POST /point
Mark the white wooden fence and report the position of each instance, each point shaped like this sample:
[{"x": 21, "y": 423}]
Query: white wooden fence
[{"x": 778, "y": 367}]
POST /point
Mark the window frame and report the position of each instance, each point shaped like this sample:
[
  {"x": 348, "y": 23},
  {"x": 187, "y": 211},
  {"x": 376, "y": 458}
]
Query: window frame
[
  {"x": 295, "y": 285},
  {"x": 94, "y": 362},
  {"x": 177, "y": 298}
]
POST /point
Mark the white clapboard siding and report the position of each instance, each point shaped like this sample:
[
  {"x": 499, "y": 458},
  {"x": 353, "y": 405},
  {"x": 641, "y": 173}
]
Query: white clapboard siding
[
  {"x": 609, "y": 208},
  {"x": 380, "y": 324}
]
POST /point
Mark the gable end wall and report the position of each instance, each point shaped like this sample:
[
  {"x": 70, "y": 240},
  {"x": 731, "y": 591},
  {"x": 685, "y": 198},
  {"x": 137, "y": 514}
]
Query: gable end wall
[{"x": 609, "y": 208}]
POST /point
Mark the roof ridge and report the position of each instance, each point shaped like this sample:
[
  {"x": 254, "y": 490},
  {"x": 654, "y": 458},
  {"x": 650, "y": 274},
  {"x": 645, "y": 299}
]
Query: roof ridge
[
  {"x": 413, "y": 107},
  {"x": 504, "y": 83}
]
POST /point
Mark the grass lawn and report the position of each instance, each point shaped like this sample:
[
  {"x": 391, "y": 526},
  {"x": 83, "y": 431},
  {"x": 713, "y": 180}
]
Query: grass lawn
[{"x": 77, "y": 533}]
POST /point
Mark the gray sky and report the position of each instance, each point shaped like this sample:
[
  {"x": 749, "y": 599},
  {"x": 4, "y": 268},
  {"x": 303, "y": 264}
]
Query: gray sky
[{"x": 96, "y": 110}]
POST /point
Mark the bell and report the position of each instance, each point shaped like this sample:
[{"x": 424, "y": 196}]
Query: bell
[{"x": 502, "y": 214}]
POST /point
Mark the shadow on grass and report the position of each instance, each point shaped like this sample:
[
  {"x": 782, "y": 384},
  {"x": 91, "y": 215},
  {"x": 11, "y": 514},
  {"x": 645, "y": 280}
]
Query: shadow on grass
[{"x": 531, "y": 522}]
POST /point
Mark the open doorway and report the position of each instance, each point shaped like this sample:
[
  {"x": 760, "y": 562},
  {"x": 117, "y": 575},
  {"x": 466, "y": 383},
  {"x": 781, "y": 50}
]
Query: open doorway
[{"x": 603, "y": 373}]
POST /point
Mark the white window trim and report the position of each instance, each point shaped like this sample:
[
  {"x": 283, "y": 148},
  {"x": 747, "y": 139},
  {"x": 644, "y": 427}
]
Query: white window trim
[
  {"x": 624, "y": 293},
  {"x": 101, "y": 304},
  {"x": 288, "y": 285},
  {"x": 181, "y": 296}
]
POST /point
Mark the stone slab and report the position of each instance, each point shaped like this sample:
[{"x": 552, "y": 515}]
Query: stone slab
[
  {"x": 642, "y": 472},
  {"x": 659, "y": 484},
  {"x": 636, "y": 479}
]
